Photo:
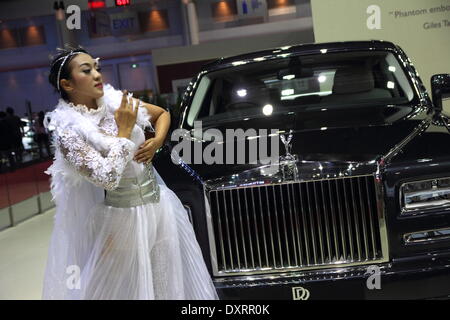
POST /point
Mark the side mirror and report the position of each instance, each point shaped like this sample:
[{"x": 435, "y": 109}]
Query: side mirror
[{"x": 440, "y": 89}]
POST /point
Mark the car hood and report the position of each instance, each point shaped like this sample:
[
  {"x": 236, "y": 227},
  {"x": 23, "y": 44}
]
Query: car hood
[{"x": 335, "y": 138}]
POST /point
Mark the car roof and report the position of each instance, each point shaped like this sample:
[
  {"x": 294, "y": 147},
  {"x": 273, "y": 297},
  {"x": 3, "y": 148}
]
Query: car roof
[{"x": 308, "y": 48}]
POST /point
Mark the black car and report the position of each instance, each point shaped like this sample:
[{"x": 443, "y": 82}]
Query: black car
[{"x": 359, "y": 207}]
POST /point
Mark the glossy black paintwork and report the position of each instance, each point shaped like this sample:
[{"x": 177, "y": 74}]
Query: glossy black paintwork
[
  {"x": 396, "y": 143},
  {"x": 346, "y": 139},
  {"x": 419, "y": 277},
  {"x": 426, "y": 156}
]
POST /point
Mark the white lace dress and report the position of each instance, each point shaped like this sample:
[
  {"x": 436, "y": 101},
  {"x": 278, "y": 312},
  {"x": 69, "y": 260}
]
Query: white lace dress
[{"x": 127, "y": 245}]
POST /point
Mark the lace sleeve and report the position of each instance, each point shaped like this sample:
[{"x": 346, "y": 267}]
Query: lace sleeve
[{"x": 102, "y": 169}]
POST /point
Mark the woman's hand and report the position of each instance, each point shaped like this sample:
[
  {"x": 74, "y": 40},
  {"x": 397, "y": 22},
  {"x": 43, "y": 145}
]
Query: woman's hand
[
  {"x": 126, "y": 116},
  {"x": 147, "y": 150}
]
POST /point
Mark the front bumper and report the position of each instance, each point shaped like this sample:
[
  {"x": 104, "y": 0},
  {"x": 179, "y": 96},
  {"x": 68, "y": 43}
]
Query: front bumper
[{"x": 419, "y": 277}]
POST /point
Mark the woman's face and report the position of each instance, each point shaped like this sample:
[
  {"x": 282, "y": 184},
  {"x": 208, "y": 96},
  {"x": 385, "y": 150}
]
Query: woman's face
[{"x": 86, "y": 79}]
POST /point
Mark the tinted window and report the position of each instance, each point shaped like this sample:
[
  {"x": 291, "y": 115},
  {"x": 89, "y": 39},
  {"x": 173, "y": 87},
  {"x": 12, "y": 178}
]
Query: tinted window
[{"x": 300, "y": 83}]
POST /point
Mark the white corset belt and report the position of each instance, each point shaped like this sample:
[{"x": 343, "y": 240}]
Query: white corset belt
[{"x": 133, "y": 192}]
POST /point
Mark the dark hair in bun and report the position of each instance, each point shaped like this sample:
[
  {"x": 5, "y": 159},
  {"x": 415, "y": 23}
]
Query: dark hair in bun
[{"x": 63, "y": 56}]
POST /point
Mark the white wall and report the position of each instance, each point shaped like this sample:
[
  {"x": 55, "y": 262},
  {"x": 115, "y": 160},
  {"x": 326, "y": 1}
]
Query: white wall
[
  {"x": 229, "y": 47},
  {"x": 428, "y": 48},
  {"x": 293, "y": 25}
]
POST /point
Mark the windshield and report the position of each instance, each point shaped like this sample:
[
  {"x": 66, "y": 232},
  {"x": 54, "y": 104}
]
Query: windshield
[{"x": 300, "y": 84}]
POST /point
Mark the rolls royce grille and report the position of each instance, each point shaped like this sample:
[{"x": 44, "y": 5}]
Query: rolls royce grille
[{"x": 295, "y": 226}]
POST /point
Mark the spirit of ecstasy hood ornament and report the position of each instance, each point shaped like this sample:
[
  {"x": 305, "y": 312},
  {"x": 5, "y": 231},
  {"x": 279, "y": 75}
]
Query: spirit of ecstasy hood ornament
[
  {"x": 287, "y": 146},
  {"x": 288, "y": 162}
]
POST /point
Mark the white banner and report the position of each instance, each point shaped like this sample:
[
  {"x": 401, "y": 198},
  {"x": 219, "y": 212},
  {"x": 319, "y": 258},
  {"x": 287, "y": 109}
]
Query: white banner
[{"x": 420, "y": 27}]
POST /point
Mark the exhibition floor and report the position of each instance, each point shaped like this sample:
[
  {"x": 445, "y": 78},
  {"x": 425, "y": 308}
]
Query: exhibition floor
[{"x": 23, "y": 252}]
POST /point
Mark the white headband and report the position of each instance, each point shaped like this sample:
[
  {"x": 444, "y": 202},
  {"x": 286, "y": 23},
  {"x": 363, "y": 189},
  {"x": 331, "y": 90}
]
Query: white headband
[{"x": 61, "y": 66}]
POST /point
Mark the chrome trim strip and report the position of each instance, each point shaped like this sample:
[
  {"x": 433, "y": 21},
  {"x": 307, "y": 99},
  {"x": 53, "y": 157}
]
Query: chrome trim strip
[
  {"x": 297, "y": 225},
  {"x": 382, "y": 220},
  {"x": 372, "y": 231},
  {"x": 364, "y": 223},
  {"x": 269, "y": 272},
  {"x": 349, "y": 223},
  {"x": 228, "y": 230},
  {"x": 418, "y": 211},
  {"x": 333, "y": 218},
  {"x": 211, "y": 234},
  {"x": 256, "y": 230},
  {"x": 214, "y": 188},
  {"x": 305, "y": 229},
  {"x": 285, "y": 228},
  {"x": 330, "y": 254},
  {"x": 242, "y": 228},
  {"x": 341, "y": 221},
  {"x": 398, "y": 147},
  {"x": 408, "y": 238},
  {"x": 274, "y": 262},
  {"x": 249, "y": 231},
  {"x": 311, "y": 222},
  {"x": 235, "y": 231},
  {"x": 277, "y": 226},
  {"x": 222, "y": 247},
  {"x": 355, "y": 215},
  {"x": 319, "y": 223},
  {"x": 356, "y": 270},
  {"x": 293, "y": 230}
]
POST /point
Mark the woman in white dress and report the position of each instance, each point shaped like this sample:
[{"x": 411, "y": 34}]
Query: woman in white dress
[{"x": 119, "y": 232}]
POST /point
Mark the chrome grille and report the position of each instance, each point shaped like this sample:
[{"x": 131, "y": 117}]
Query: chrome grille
[{"x": 301, "y": 225}]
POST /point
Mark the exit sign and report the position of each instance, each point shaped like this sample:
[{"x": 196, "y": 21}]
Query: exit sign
[
  {"x": 120, "y": 3},
  {"x": 96, "y": 4}
]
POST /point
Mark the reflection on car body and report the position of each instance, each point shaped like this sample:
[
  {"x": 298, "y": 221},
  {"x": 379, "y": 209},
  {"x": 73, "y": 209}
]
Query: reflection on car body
[{"x": 364, "y": 135}]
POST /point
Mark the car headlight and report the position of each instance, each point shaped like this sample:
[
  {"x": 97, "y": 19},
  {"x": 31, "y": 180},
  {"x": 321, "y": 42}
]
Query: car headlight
[{"x": 425, "y": 195}]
